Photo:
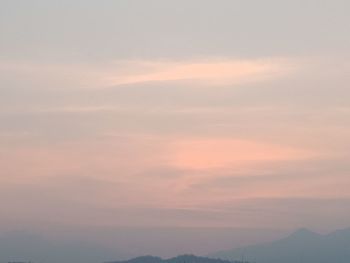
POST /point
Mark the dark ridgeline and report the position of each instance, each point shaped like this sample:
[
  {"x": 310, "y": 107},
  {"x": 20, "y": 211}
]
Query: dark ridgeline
[{"x": 178, "y": 259}]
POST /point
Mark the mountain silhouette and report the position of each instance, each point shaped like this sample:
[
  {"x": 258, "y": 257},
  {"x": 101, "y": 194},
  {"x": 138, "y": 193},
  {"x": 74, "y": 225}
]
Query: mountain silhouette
[
  {"x": 178, "y": 259},
  {"x": 301, "y": 246}
]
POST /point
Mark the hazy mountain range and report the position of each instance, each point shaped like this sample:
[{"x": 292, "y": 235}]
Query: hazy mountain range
[
  {"x": 303, "y": 246},
  {"x": 96, "y": 245},
  {"x": 179, "y": 259}
]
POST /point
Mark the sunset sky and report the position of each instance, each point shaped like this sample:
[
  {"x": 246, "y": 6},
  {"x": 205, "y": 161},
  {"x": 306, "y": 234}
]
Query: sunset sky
[{"x": 186, "y": 113}]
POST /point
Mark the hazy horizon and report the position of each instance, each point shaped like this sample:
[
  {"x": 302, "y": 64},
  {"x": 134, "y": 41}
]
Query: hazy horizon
[
  {"x": 110, "y": 244},
  {"x": 196, "y": 114}
]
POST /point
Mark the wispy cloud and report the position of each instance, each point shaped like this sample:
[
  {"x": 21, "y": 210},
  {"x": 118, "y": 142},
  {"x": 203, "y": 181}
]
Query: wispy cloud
[
  {"x": 211, "y": 71},
  {"x": 205, "y": 71}
]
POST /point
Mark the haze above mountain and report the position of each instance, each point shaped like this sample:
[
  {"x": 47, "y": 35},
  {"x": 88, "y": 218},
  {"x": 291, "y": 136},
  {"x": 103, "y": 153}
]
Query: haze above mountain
[
  {"x": 20, "y": 246},
  {"x": 66, "y": 245},
  {"x": 301, "y": 246}
]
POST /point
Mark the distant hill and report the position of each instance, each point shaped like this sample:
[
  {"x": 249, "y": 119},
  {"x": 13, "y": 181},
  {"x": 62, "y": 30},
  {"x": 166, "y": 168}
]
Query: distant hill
[
  {"x": 179, "y": 259},
  {"x": 303, "y": 246}
]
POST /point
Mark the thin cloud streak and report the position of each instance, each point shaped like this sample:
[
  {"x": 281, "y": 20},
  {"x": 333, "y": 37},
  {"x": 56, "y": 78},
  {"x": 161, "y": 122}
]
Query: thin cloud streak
[{"x": 206, "y": 72}]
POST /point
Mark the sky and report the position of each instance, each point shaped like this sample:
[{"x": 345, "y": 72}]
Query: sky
[{"x": 174, "y": 114}]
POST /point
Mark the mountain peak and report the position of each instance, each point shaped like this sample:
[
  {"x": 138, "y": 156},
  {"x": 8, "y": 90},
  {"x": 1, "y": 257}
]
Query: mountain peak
[
  {"x": 303, "y": 245},
  {"x": 304, "y": 232}
]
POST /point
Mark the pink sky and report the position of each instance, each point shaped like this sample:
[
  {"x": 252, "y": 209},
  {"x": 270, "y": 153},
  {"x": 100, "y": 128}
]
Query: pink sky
[{"x": 174, "y": 114}]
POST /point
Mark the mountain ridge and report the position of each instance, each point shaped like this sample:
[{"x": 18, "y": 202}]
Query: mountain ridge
[
  {"x": 302, "y": 245},
  {"x": 187, "y": 258}
]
